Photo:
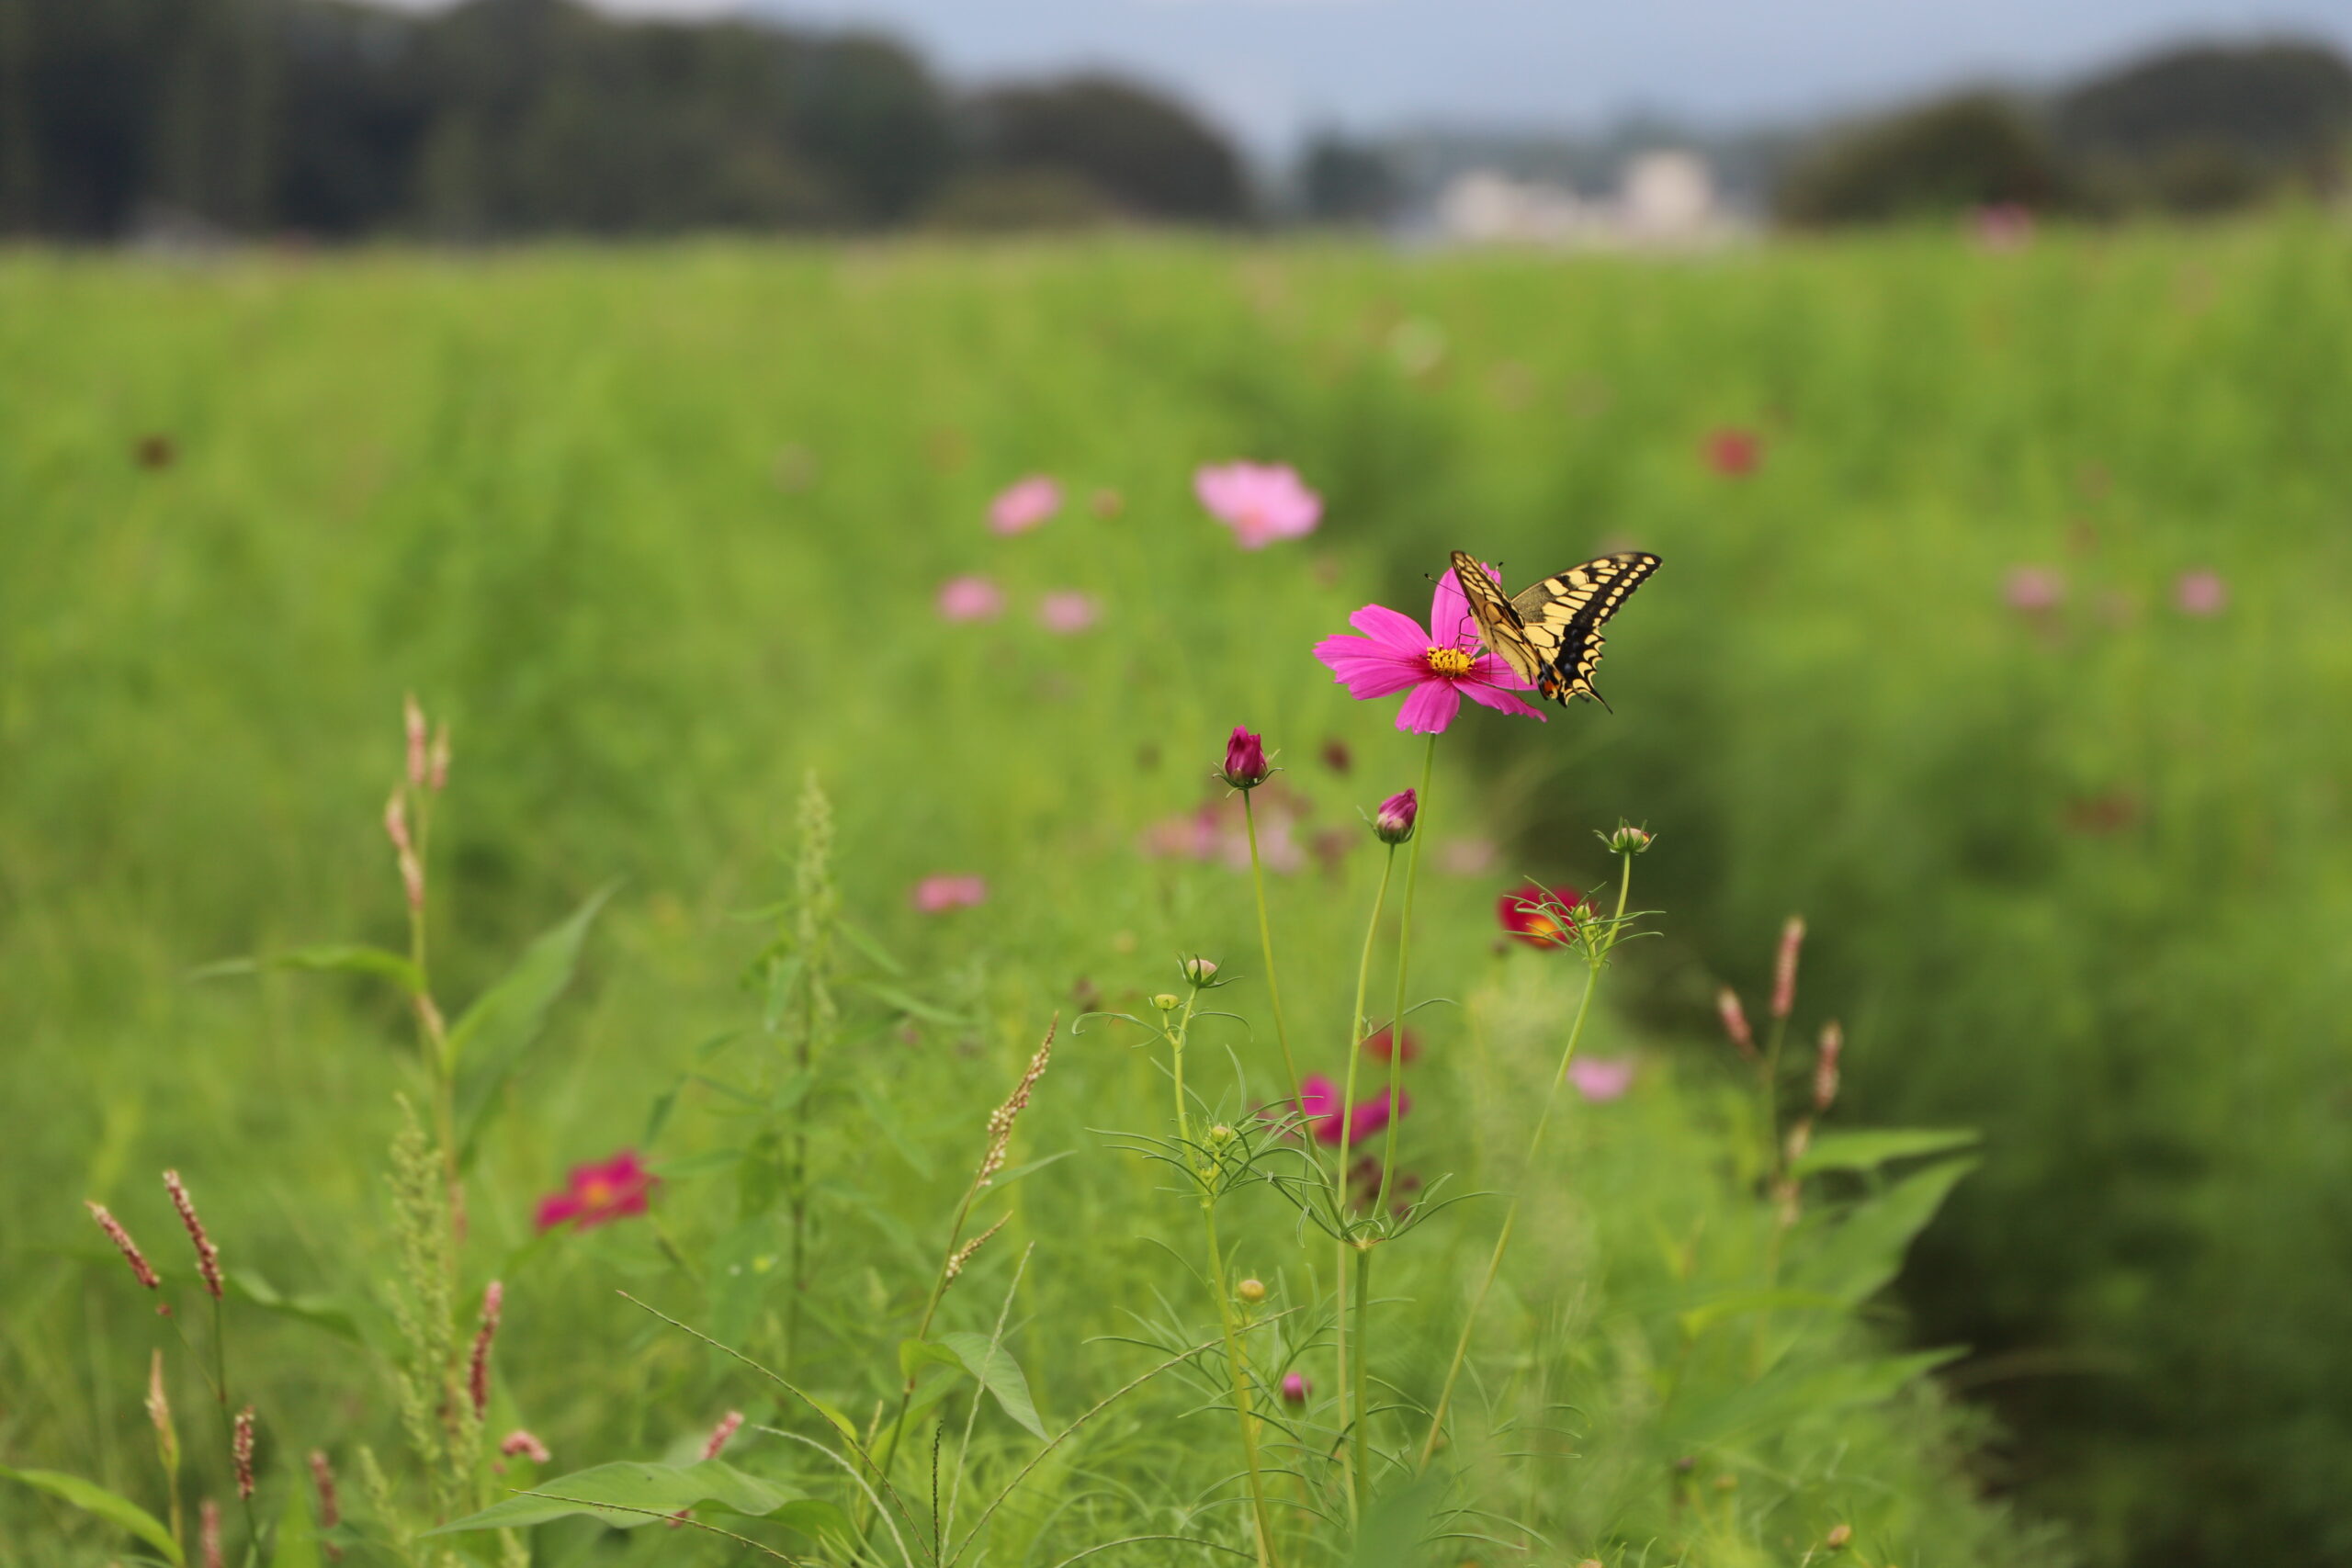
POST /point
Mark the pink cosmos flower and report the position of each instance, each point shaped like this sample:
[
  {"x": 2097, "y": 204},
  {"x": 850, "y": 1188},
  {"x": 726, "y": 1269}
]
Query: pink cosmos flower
[
  {"x": 2034, "y": 589},
  {"x": 1025, "y": 504},
  {"x": 1319, "y": 1100},
  {"x": 1601, "y": 1078},
  {"x": 596, "y": 1193},
  {"x": 1735, "y": 452},
  {"x": 1068, "y": 612},
  {"x": 1259, "y": 502},
  {"x": 2001, "y": 226},
  {"x": 1218, "y": 830},
  {"x": 937, "y": 895},
  {"x": 2200, "y": 593},
  {"x": 970, "y": 598},
  {"x": 1439, "y": 665}
]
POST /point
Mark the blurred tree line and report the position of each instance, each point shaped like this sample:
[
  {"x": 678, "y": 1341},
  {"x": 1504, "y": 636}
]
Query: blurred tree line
[{"x": 501, "y": 117}]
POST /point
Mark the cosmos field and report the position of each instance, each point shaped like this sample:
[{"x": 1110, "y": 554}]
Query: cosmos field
[{"x": 1998, "y": 624}]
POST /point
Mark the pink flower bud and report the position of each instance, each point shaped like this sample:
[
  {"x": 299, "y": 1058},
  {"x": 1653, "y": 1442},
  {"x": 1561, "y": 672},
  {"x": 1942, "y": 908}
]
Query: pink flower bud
[
  {"x": 1735, "y": 1019},
  {"x": 241, "y": 1450},
  {"x": 208, "y": 1256},
  {"x": 493, "y": 1299},
  {"x": 123, "y": 1244},
  {"x": 413, "y": 720},
  {"x": 1393, "y": 823},
  {"x": 1784, "y": 967},
  {"x": 1245, "y": 761},
  {"x": 436, "y": 768},
  {"x": 1296, "y": 1388},
  {"x": 1825, "y": 1066}
]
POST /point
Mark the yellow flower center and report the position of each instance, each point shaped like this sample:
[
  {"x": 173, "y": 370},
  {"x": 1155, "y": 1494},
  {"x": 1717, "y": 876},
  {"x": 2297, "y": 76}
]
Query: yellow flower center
[
  {"x": 597, "y": 1193},
  {"x": 1449, "y": 661}
]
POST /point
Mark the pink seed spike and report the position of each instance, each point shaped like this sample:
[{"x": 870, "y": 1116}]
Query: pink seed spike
[
  {"x": 241, "y": 1450},
  {"x": 1784, "y": 967},
  {"x": 437, "y": 771},
  {"x": 1825, "y": 1066},
  {"x": 728, "y": 1425},
  {"x": 208, "y": 1256},
  {"x": 493, "y": 1299},
  {"x": 128, "y": 1248},
  {"x": 1735, "y": 1019},
  {"x": 412, "y": 722}
]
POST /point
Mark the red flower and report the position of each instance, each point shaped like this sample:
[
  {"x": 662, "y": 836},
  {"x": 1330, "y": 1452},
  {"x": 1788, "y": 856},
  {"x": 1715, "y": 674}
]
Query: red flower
[
  {"x": 1245, "y": 761},
  {"x": 1531, "y": 913},
  {"x": 1319, "y": 1097},
  {"x": 1735, "y": 452},
  {"x": 1379, "y": 1045},
  {"x": 611, "y": 1191}
]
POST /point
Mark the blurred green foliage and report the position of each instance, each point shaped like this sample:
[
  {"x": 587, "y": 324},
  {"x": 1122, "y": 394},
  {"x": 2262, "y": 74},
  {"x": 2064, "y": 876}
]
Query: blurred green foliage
[{"x": 661, "y": 531}]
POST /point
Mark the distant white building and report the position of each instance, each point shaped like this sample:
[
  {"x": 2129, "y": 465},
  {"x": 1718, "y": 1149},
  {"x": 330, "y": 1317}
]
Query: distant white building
[{"x": 1664, "y": 199}]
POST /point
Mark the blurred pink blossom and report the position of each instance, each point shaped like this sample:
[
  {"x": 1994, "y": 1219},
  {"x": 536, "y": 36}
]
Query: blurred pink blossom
[
  {"x": 1601, "y": 1078},
  {"x": 2034, "y": 589},
  {"x": 2201, "y": 593},
  {"x": 1218, "y": 830},
  {"x": 1259, "y": 502},
  {"x": 1025, "y": 504},
  {"x": 1319, "y": 1100},
  {"x": 607, "y": 1189},
  {"x": 1067, "y": 612},
  {"x": 970, "y": 598},
  {"x": 521, "y": 1443},
  {"x": 1296, "y": 1388},
  {"x": 2001, "y": 226},
  {"x": 1465, "y": 857},
  {"x": 937, "y": 895}
]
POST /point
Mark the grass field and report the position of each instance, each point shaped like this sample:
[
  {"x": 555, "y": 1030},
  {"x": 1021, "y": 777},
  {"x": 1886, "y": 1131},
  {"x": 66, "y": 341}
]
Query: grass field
[{"x": 660, "y": 533}]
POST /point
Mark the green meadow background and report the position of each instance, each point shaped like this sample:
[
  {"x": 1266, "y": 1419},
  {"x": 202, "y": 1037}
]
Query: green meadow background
[{"x": 659, "y": 531}]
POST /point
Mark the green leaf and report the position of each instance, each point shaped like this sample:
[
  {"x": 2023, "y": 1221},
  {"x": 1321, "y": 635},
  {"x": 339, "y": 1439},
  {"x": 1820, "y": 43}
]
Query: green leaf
[
  {"x": 1869, "y": 1150},
  {"x": 630, "y": 1494},
  {"x": 999, "y": 1373},
  {"x": 701, "y": 1164},
  {"x": 886, "y": 1119},
  {"x": 328, "y": 1313},
  {"x": 298, "y": 1537},
  {"x": 488, "y": 1043},
  {"x": 1852, "y": 1255},
  {"x": 1737, "y": 1303},
  {"x": 349, "y": 957},
  {"x": 1789, "y": 1393},
  {"x": 916, "y": 1354},
  {"x": 875, "y": 952},
  {"x": 92, "y": 1498},
  {"x": 1004, "y": 1178},
  {"x": 911, "y": 1005}
]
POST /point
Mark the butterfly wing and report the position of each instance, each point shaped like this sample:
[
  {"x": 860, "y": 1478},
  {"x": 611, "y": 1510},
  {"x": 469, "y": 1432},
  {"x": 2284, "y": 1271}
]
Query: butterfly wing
[
  {"x": 1561, "y": 617},
  {"x": 1498, "y": 621}
]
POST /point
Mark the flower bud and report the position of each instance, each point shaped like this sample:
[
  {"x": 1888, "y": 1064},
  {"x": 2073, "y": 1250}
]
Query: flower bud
[
  {"x": 1296, "y": 1388},
  {"x": 1837, "y": 1536},
  {"x": 1735, "y": 1019},
  {"x": 1393, "y": 823},
  {"x": 1251, "y": 1290},
  {"x": 1628, "y": 839},
  {"x": 1200, "y": 971},
  {"x": 1245, "y": 761},
  {"x": 1784, "y": 967},
  {"x": 1825, "y": 1066},
  {"x": 412, "y": 722},
  {"x": 1220, "y": 1136},
  {"x": 1167, "y": 1001}
]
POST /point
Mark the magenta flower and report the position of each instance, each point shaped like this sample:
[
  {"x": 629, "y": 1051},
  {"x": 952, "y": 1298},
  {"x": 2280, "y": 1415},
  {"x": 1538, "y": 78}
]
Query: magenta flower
[
  {"x": 1245, "y": 759},
  {"x": 1296, "y": 1388},
  {"x": 970, "y": 598},
  {"x": 1319, "y": 1100},
  {"x": 1439, "y": 665},
  {"x": 1393, "y": 823},
  {"x": 2200, "y": 593},
  {"x": 1601, "y": 1078},
  {"x": 1025, "y": 504},
  {"x": 1259, "y": 502},
  {"x": 937, "y": 895},
  {"x": 1068, "y": 612},
  {"x": 594, "y": 1193},
  {"x": 2034, "y": 589}
]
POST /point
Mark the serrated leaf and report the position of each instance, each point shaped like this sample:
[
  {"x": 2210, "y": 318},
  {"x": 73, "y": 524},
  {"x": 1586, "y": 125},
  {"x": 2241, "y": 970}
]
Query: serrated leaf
[
  {"x": 95, "y": 1499},
  {"x": 1869, "y": 1150},
  {"x": 630, "y": 1494},
  {"x": 488, "y": 1042},
  {"x": 1852, "y": 1255},
  {"x": 999, "y": 1373}
]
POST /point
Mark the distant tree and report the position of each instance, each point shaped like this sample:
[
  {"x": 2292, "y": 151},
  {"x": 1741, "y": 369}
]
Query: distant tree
[
  {"x": 2209, "y": 126},
  {"x": 867, "y": 109},
  {"x": 1945, "y": 156},
  {"x": 1143, "y": 151},
  {"x": 1345, "y": 181}
]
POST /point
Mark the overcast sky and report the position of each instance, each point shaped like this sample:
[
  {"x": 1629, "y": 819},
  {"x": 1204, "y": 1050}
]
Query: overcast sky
[{"x": 1268, "y": 69}]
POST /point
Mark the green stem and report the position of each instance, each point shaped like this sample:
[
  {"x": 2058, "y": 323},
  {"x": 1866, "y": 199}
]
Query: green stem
[
  {"x": 1359, "y": 1436},
  {"x": 1340, "y": 1172},
  {"x": 1266, "y": 946},
  {"x": 1597, "y": 957},
  {"x": 1404, "y": 948}
]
